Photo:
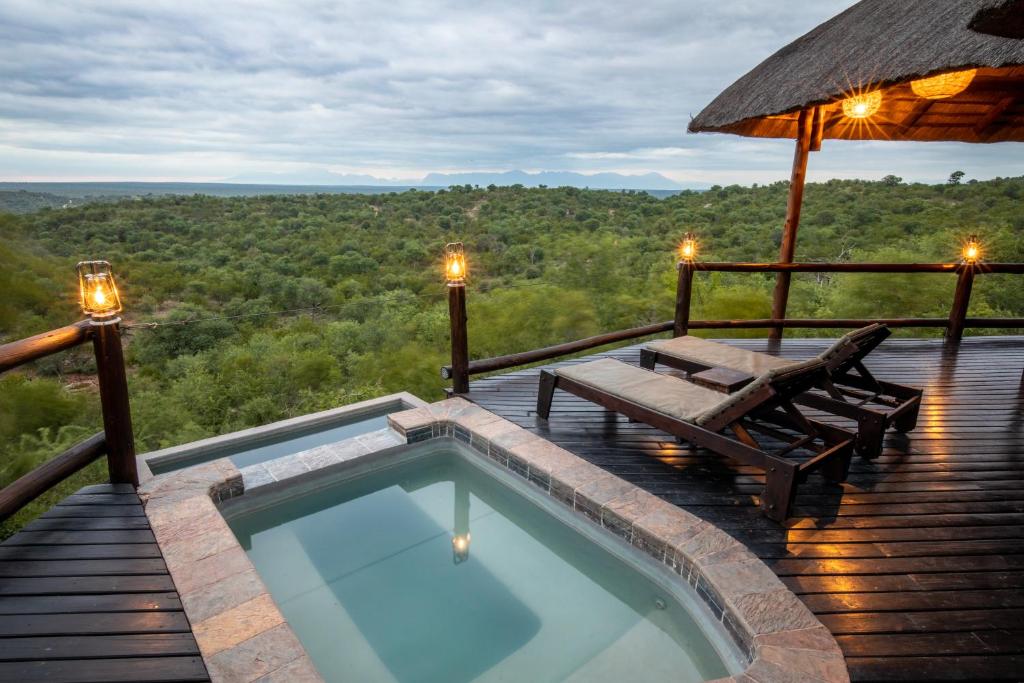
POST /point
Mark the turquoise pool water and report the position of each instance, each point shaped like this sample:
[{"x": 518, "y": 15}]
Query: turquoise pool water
[
  {"x": 435, "y": 570},
  {"x": 285, "y": 444}
]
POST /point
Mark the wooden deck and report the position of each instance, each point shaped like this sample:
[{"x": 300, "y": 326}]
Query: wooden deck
[
  {"x": 85, "y": 596},
  {"x": 916, "y": 564}
]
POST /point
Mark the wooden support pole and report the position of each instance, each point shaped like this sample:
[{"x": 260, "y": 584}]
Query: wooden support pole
[
  {"x": 460, "y": 341},
  {"x": 961, "y": 301},
  {"x": 684, "y": 290},
  {"x": 117, "y": 418},
  {"x": 804, "y": 139}
]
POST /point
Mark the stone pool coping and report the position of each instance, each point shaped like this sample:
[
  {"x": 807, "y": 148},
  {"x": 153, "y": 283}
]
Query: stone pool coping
[
  {"x": 186, "y": 451},
  {"x": 243, "y": 636}
]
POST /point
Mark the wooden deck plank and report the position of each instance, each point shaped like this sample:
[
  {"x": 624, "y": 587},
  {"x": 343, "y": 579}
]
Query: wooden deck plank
[
  {"x": 921, "y": 546},
  {"x": 127, "y": 670},
  {"x": 75, "y": 585},
  {"x": 88, "y": 597},
  {"x": 110, "y": 602},
  {"x": 98, "y": 647}
]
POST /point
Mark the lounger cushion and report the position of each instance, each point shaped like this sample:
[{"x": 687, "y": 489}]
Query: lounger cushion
[
  {"x": 716, "y": 354},
  {"x": 672, "y": 396}
]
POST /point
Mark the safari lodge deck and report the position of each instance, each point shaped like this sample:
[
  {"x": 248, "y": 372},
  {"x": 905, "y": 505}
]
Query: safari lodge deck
[{"x": 915, "y": 563}]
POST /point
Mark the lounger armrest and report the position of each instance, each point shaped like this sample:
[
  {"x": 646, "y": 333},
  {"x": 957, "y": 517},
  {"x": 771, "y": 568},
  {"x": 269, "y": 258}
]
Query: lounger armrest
[{"x": 725, "y": 380}]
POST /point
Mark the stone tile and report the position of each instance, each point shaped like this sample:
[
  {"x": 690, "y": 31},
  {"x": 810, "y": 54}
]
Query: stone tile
[
  {"x": 668, "y": 522},
  {"x": 544, "y": 455},
  {"x": 256, "y": 657},
  {"x": 449, "y": 408},
  {"x": 165, "y": 519},
  {"x": 185, "y": 552},
  {"x": 578, "y": 474},
  {"x": 256, "y": 475},
  {"x": 818, "y": 638},
  {"x": 708, "y": 540},
  {"x": 332, "y": 454},
  {"x": 379, "y": 440},
  {"x": 603, "y": 489},
  {"x": 825, "y": 666},
  {"x": 512, "y": 438},
  {"x": 735, "y": 579},
  {"x": 286, "y": 467},
  {"x": 471, "y": 419},
  {"x": 634, "y": 504},
  {"x": 778, "y": 610},
  {"x": 763, "y": 671},
  {"x": 236, "y": 625},
  {"x": 407, "y": 420},
  {"x": 299, "y": 671},
  {"x": 210, "y": 570},
  {"x": 222, "y": 595}
]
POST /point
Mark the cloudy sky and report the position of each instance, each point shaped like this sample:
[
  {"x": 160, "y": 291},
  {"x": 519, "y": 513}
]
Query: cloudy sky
[{"x": 206, "y": 90}]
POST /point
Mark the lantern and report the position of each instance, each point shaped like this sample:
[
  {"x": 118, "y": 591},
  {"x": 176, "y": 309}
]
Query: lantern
[
  {"x": 688, "y": 247},
  {"x": 944, "y": 85},
  {"x": 862, "y": 105},
  {"x": 98, "y": 291},
  {"x": 455, "y": 263},
  {"x": 972, "y": 250}
]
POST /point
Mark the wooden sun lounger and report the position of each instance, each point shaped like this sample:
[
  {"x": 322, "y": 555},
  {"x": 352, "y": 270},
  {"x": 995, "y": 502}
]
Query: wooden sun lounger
[
  {"x": 717, "y": 421},
  {"x": 848, "y": 390}
]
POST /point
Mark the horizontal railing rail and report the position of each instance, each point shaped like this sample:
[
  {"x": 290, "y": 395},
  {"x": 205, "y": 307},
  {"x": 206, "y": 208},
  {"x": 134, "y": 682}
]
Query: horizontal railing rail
[
  {"x": 116, "y": 441},
  {"x": 30, "y": 486},
  {"x": 462, "y": 368},
  {"x": 878, "y": 268},
  {"x": 27, "y": 350}
]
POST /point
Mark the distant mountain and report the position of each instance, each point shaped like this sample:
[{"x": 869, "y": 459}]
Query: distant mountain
[
  {"x": 316, "y": 176},
  {"x": 596, "y": 181}
]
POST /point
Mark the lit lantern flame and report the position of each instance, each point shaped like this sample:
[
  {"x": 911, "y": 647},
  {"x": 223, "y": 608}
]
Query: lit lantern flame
[
  {"x": 688, "y": 247},
  {"x": 97, "y": 290},
  {"x": 862, "y": 105},
  {"x": 454, "y": 263},
  {"x": 972, "y": 250},
  {"x": 460, "y": 547},
  {"x": 944, "y": 85}
]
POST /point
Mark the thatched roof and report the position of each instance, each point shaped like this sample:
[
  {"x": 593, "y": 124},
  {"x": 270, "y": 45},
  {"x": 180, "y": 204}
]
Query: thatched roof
[
  {"x": 1005, "y": 19},
  {"x": 883, "y": 44}
]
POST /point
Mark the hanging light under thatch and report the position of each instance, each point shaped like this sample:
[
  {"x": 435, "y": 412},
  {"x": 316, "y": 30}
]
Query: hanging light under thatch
[
  {"x": 944, "y": 85},
  {"x": 916, "y": 53}
]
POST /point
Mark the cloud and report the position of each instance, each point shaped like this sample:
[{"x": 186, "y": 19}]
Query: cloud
[{"x": 199, "y": 90}]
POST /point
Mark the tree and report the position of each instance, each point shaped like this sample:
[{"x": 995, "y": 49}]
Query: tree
[
  {"x": 892, "y": 180},
  {"x": 955, "y": 177}
]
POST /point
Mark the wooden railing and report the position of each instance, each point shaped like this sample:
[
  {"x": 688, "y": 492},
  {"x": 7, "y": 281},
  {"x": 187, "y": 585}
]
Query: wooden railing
[
  {"x": 116, "y": 441},
  {"x": 461, "y": 368}
]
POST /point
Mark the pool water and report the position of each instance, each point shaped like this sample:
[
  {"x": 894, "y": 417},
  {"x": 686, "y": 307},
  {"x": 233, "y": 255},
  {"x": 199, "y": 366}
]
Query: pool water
[
  {"x": 436, "y": 570},
  {"x": 281, "y": 445}
]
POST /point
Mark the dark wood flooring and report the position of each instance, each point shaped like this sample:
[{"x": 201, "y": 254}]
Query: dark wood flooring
[
  {"x": 85, "y": 596},
  {"x": 916, "y": 563}
]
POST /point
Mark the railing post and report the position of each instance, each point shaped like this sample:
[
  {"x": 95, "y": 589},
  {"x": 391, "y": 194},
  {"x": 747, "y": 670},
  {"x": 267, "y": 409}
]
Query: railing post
[
  {"x": 117, "y": 419},
  {"x": 460, "y": 341},
  {"x": 684, "y": 290},
  {"x": 961, "y": 301},
  {"x": 805, "y": 142}
]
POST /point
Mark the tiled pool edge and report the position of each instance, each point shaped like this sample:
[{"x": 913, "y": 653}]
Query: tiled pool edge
[
  {"x": 243, "y": 636},
  {"x": 241, "y": 633},
  {"x": 782, "y": 639},
  {"x": 184, "y": 452}
]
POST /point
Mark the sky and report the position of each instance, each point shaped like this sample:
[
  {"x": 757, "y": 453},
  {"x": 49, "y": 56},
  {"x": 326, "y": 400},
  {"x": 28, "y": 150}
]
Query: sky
[{"x": 190, "y": 90}]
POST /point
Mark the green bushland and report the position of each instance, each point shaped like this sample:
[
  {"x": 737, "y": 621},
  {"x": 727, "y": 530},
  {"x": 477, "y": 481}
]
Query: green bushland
[{"x": 546, "y": 266}]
